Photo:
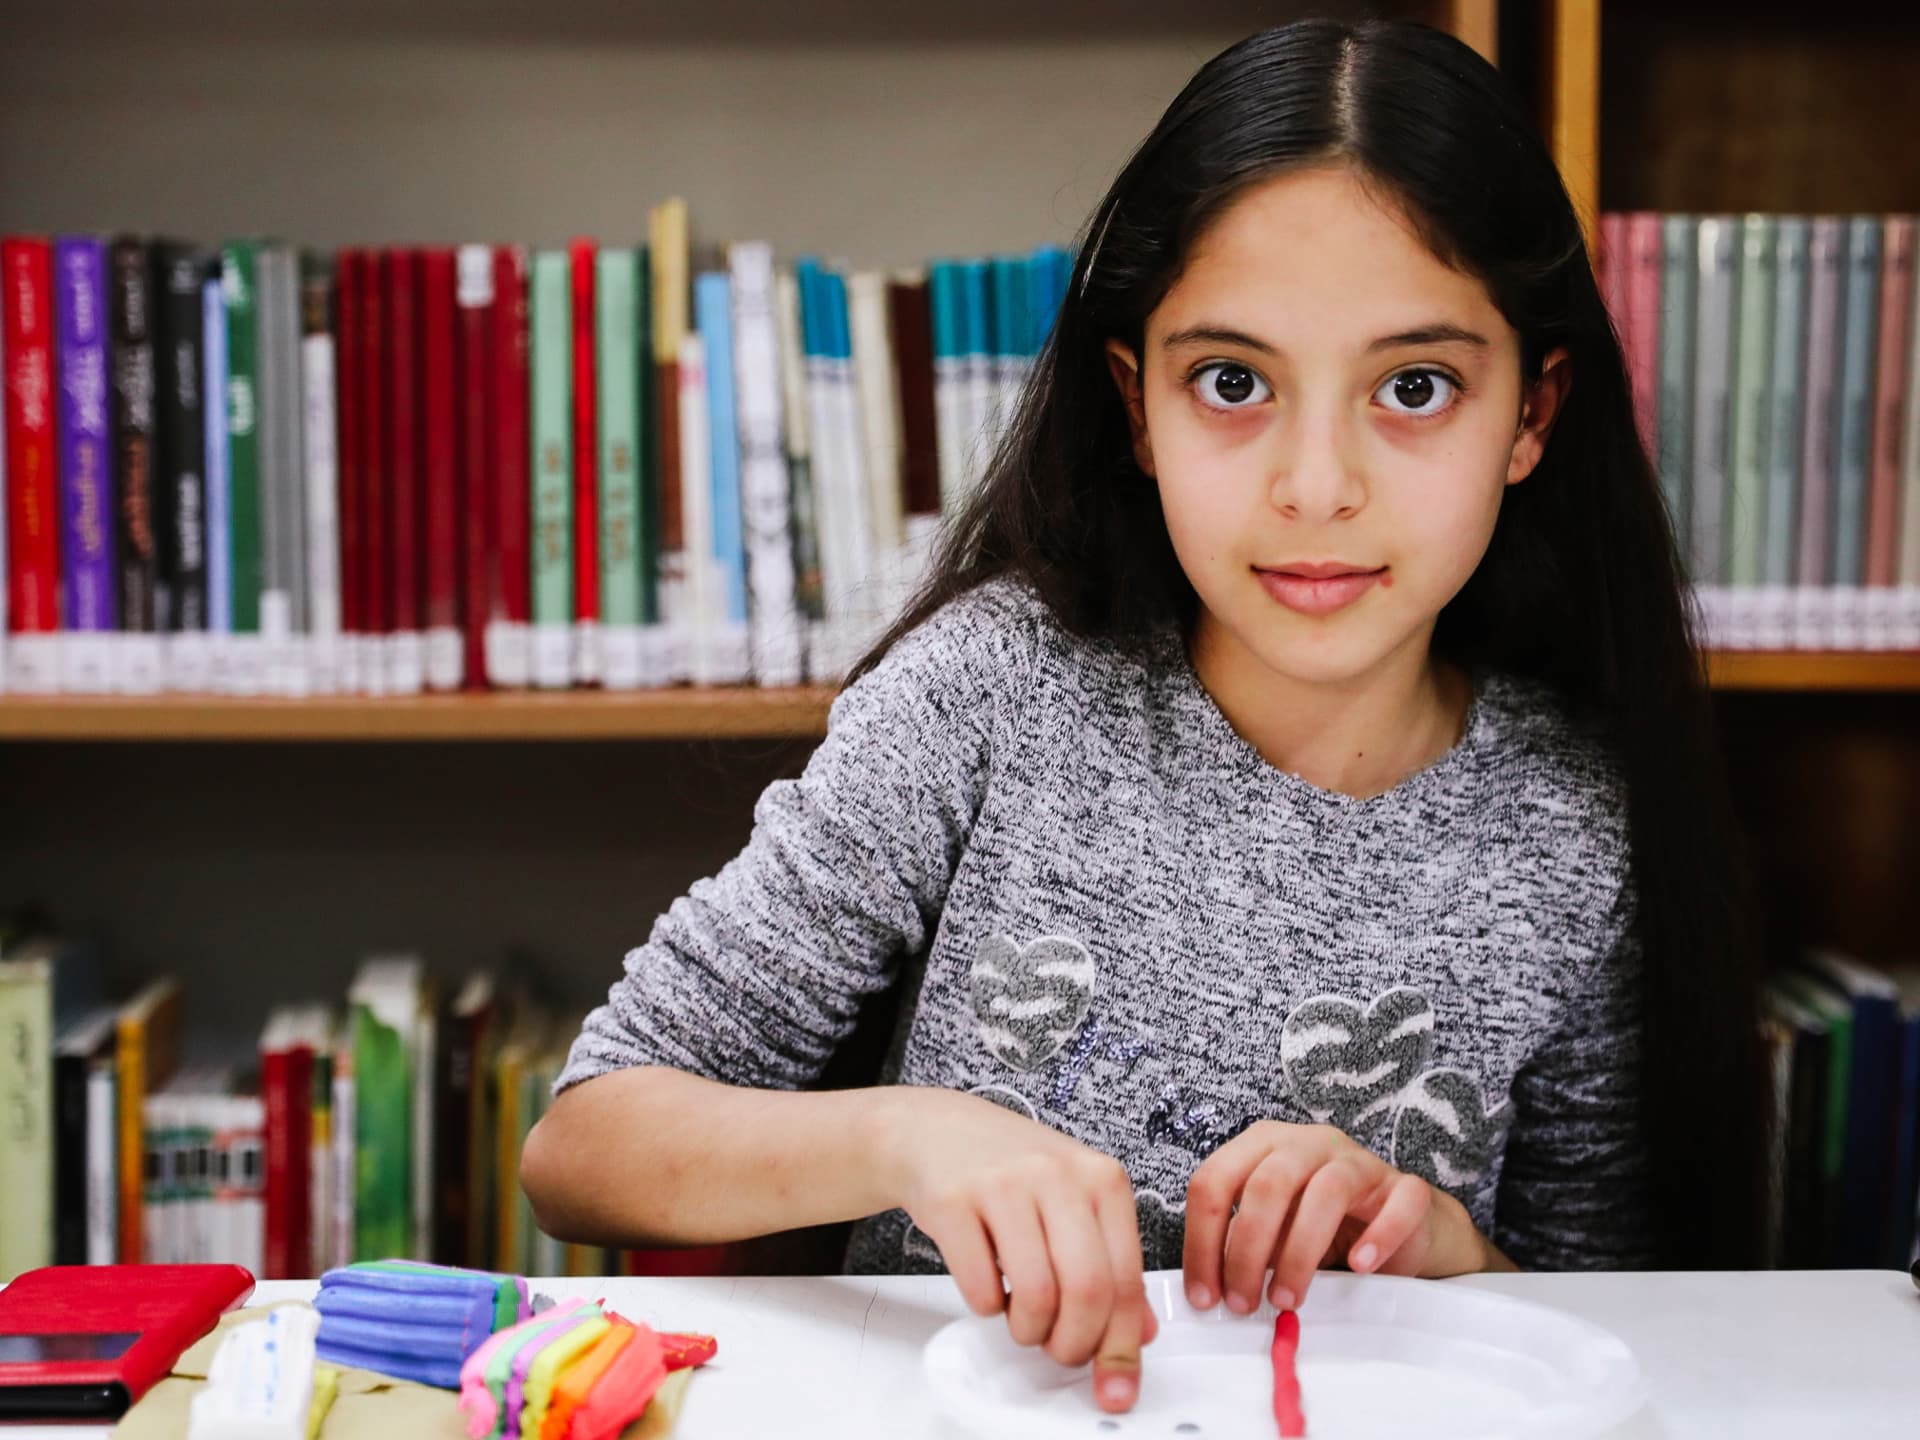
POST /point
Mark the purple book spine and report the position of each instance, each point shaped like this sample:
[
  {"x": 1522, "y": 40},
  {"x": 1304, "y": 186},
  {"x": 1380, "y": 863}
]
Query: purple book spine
[{"x": 86, "y": 479}]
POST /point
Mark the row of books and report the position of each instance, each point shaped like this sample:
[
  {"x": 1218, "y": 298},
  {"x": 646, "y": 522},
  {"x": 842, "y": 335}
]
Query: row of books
[
  {"x": 1775, "y": 362},
  {"x": 255, "y": 471},
  {"x": 1844, "y": 1037},
  {"x": 391, "y": 1126}
]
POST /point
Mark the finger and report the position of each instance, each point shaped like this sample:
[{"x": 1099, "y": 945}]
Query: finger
[
  {"x": 1083, "y": 1272},
  {"x": 1211, "y": 1195},
  {"x": 1401, "y": 1216},
  {"x": 1033, "y": 1297},
  {"x": 1265, "y": 1205},
  {"x": 964, "y": 1246},
  {"x": 1131, "y": 1323},
  {"x": 1324, "y": 1203}
]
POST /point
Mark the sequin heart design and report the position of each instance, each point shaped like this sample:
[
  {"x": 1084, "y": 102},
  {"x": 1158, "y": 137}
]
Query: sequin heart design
[
  {"x": 1028, "y": 1000},
  {"x": 1445, "y": 1135},
  {"x": 1347, "y": 1066}
]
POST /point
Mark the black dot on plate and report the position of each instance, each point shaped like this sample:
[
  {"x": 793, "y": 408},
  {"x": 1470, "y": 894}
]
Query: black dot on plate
[
  {"x": 1108, "y": 1425},
  {"x": 1186, "y": 1427}
]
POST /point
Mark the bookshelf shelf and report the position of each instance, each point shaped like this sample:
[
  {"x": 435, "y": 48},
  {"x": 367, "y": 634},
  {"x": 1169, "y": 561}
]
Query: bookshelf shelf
[
  {"x": 692, "y": 714},
  {"x": 689, "y": 714}
]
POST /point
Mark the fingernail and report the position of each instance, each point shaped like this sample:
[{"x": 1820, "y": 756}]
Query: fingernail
[
  {"x": 1283, "y": 1299},
  {"x": 1199, "y": 1297},
  {"x": 1239, "y": 1304},
  {"x": 1118, "y": 1390},
  {"x": 1364, "y": 1257}
]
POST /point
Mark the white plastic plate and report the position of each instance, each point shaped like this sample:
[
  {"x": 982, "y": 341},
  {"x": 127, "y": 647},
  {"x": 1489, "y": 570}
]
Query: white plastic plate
[{"x": 1379, "y": 1357}]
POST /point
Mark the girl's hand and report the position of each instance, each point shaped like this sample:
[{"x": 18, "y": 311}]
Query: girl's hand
[
  {"x": 1306, "y": 1196},
  {"x": 1003, "y": 1196}
]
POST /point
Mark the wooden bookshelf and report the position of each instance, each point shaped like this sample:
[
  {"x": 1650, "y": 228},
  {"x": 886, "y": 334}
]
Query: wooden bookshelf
[{"x": 1796, "y": 671}]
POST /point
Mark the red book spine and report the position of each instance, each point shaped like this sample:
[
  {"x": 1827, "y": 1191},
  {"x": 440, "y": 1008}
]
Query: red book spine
[
  {"x": 33, "y": 552},
  {"x": 511, "y": 431},
  {"x": 403, "y": 434},
  {"x": 375, "y": 573},
  {"x": 351, "y": 271},
  {"x": 1645, "y": 261},
  {"x": 478, "y": 506},
  {"x": 586, "y": 444},
  {"x": 439, "y": 451},
  {"x": 286, "y": 1087}
]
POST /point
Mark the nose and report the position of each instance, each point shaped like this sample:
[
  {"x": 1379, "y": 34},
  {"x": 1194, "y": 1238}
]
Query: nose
[{"x": 1316, "y": 474}]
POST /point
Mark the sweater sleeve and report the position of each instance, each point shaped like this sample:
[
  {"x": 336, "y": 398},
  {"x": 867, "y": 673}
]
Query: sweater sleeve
[
  {"x": 1573, "y": 1191},
  {"x": 756, "y": 974}
]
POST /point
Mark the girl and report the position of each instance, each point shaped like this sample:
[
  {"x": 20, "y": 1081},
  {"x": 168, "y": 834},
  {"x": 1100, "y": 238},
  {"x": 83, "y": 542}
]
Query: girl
[{"x": 1290, "y": 811}]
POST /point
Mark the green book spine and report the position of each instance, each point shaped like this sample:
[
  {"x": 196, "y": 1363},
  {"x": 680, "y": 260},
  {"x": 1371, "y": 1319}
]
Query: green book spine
[
  {"x": 26, "y": 1110},
  {"x": 383, "y": 1139},
  {"x": 239, "y": 270},
  {"x": 1747, "y": 439},
  {"x": 550, "y": 323},
  {"x": 616, "y": 354},
  {"x": 647, "y": 540},
  {"x": 1676, "y": 369}
]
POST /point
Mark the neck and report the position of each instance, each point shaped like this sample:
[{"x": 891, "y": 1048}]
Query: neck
[{"x": 1358, "y": 736}]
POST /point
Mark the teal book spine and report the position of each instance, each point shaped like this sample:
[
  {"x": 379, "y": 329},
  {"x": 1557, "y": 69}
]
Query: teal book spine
[
  {"x": 616, "y": 369},
  {"x": 1678, "y": 286},
  {"x": 1748, "y": 428},
  {"x": 1853, "y": 416},
  {"x": 1786, "y": 379},
  {"x": 550, "y": 325},
  {"x": 1714, "y": 310}
]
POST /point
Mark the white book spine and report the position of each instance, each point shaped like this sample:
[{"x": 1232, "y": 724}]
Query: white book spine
[
  {"x": 221, "y": 397},
  {"x": 87, "y": 663},
  {"x": 589, "y": 659},
  {"x": 406, "y": 672},
  {"x": 861, "y": 546},
  {"x": 103, "y": 1166},
  {"x": 878, "y": 396},
  {"x": 343, "y": 1161},
  {"x": 323, "y": 511},
  {"x": 509, "y": 654},
  {"x": 1906, "y": 626},
  {"x": 701, "y": 613},
  {"x": 1847, "y": 625},
  {"x": 766, "y": 494},
  {"x": 190, "y": 662},
  {"x": 446, "y": 658}
]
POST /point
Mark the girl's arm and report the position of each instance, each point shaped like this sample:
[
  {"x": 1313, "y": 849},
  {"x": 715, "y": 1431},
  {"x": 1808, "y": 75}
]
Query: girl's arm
[{"x": 1573, "y": 1191}]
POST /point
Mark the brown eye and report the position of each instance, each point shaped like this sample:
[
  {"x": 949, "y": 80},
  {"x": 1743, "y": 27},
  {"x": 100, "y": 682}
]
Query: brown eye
[
  {"x": 1225, "y": 385},
  {"x": 1417, "y": 392}
]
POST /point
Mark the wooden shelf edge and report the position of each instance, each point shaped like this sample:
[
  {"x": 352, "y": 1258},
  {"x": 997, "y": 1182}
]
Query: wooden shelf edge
[
  {"x": 684, "y": 714},
  {"x": 689, "y": 714},
  {"x": 1791, "y": 670}
]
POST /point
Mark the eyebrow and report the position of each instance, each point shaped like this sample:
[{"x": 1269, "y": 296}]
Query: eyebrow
[{"x": 1439, "y": 333}]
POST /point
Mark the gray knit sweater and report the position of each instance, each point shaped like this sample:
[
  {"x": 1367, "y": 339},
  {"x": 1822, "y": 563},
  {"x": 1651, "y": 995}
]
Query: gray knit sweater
[{"x": 1112, "y": 915}]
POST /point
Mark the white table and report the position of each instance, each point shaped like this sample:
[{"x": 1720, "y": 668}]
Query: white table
[{"x": 1762, "y": 1356}]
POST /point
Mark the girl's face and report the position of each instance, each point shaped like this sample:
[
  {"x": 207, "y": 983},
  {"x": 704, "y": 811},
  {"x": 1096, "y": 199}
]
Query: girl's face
[{"x": 1331, "y": 415}]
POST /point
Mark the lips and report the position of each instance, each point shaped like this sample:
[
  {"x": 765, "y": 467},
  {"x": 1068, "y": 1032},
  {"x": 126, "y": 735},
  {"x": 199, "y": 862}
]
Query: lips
[{"x": 1318, "y": 587}]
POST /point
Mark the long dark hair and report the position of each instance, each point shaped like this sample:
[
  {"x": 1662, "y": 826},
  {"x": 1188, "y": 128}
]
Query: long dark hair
[{"x": 1581, "y": 585}]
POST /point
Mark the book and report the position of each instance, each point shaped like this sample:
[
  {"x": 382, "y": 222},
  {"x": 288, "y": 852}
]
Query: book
[
  {"x": 385, "y": 1003},
  {"x": 284, "y": 592},
  {"x": 1747, "y": 428},
  {"x": 1894, "y": 346},
  {"x": 877, "y": 392},
  {"x": 139, "y": 664},
  {"x": 521, "y": 1045},
  {"x": 218, "y": 485},
  {"x": 1679, "y": 288},
  {"x": 550, "y": 325},
  {"x": 406, "y": 643},
  {"x": 1714, "y": 317},
  {"x": 1836, "y": 1017},
  {"x": 1785, "y": 408},
  {"x": 1826, "y": 311},
  {"x": 465, "y": 1108},
  {"x": 440, "y": 435},
  {"x": 1908, "y": 632},
  {"x": 671, "y": 296},
  {"x": 294, "y": 1035},
  {"x": 1853, "y": 431},
  {"x": 87, "y": 570},
  {"x": 4, "y": 500},
  {"x": 350, "y": 278},
  {"x": 320, "y": 426},
  {"x": 239, "y": 539},
  {"x": 586, "y": 664},
  {"x": 1866, "y": 1168},
  {"x": 375, "y": 407},
  {"x": 33, "y": 545},
  {"x": 26, "y": 1099},
  {"x": 619, "y": 336},
  {"x": 977, "y": 391},
  {"x": 804, "y": 512},
  {"x": 476, "y": 500},
  {"x": 147, "y": 1050},
  {"x": 103, "y": 1156},
  {"x": 778, "y": 645},
  {"x": 510, "y": 610},
  {"x": 80, "y": 1049},
  {"x": 698, "y": 604},
  {"x": 1644, "y": 263},
  {"x": 725, "y": 657}
]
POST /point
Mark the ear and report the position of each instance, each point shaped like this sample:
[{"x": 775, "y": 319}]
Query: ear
[
  {"x": 1125, "y": 367},
  {"x": 1538, "y": 410}
]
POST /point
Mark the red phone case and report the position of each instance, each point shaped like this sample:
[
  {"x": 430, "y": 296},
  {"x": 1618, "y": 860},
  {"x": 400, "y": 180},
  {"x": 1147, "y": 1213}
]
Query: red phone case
[{"x": 89, "y": 1340}]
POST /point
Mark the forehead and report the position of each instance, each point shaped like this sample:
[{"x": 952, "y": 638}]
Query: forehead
[{"x": 1318, "y": 255}]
